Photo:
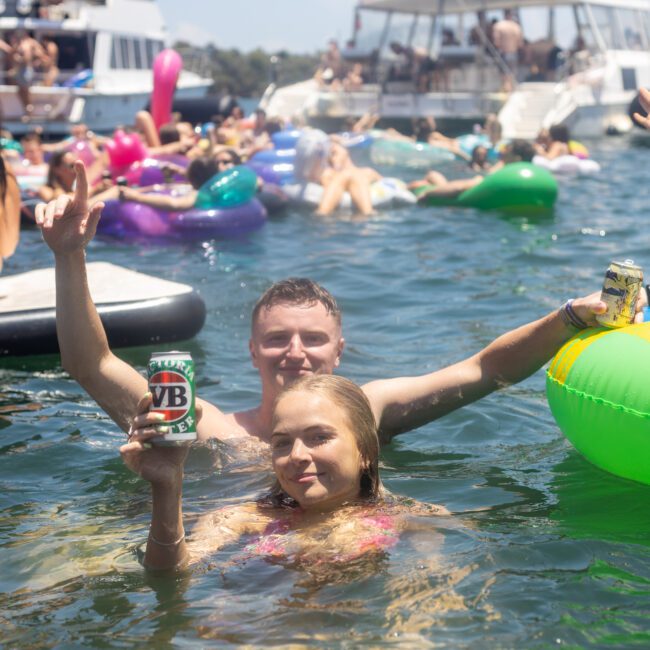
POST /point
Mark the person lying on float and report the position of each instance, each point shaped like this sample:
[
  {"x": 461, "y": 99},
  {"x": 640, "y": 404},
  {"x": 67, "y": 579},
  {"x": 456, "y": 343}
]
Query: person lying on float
[{"x": 515, "y": 151}]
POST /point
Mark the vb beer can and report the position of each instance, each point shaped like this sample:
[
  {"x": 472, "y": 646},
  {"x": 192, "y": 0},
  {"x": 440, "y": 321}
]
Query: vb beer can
[
  {"x": 623, "y": 281},
  {"x": 171, "y": 384}
]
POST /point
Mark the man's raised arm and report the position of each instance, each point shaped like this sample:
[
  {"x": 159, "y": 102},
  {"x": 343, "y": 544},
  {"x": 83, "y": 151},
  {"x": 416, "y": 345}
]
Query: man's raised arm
[
  {"x": 405, "y": 403},
  {"x": 68, "y": 224}
]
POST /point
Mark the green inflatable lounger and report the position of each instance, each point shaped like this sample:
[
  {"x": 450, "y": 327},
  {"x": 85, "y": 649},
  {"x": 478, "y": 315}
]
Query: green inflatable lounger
[{"x": 520, "y": 188}]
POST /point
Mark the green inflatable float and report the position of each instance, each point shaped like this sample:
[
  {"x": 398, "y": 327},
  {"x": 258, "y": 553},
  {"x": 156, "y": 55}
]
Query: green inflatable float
[
  {"x": 521, "y": 188},
  {"x": 597, "y": 389}
]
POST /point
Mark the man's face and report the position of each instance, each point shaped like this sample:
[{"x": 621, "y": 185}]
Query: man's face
[{"x": 289, "y": 341}]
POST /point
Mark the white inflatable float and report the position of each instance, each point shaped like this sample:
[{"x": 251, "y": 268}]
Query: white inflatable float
[
  {"x": 387, "y": 191},
  {"x": 570, "y": 165},
  {"x": 312, "y": 151}
]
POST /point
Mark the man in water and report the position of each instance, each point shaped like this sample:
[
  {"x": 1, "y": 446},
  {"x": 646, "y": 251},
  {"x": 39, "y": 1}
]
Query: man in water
[{"x": 296, "y": 331}]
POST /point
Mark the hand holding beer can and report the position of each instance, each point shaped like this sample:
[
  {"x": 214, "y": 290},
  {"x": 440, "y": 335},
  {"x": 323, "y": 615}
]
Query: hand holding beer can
[
  {"x": 171, "y": 384},
  {"x": 623, "y": 281}
]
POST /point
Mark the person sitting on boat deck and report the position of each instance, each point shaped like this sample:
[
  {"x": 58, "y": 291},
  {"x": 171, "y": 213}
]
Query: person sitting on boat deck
[
  {"x": 296, "y": 330},
  {"x": 26, "y": 53},
  {"x": 554, "y": 142},
  {"x": 339, "y": 175},
  {"x": 515, "y": 151},
  {"x": 9, "y": 212},
  {"x": 325, "y": 456},
  {"x": 48, "y": 64},
  {"x": 644, "y": 100},
  {"x": 508, "y": 39},
  {"x": 354, "y": 80}
]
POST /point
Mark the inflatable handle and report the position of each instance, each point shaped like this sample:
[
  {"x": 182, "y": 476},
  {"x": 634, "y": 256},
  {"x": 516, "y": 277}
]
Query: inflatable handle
[
  {"x": 125, "y": 149},
  {"x": 166, "y": 68},
  {"x": 227, "y": 189}
]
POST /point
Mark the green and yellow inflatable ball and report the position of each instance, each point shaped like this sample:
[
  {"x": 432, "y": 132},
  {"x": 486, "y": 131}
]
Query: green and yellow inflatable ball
[{"x": 598, "y": 389}]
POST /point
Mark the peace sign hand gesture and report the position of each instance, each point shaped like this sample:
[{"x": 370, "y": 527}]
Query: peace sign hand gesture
[{"x": 67, "y": 222}]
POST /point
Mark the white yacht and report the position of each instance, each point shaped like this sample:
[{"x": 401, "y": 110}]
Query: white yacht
[
  {"x": 106, "y": 51},
  {"x": 582, "y": 64}
]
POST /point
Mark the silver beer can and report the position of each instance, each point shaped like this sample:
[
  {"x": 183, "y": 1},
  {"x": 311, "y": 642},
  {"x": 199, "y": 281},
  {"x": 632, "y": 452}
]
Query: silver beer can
[{"x": 623, "y": 281}]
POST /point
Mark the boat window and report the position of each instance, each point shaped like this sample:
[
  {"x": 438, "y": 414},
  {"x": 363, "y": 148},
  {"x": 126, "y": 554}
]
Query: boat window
[
  {"x": 632, "y": 29},
  {"x": 368, "y": 29},
  {"x": 605, "y": 22},
  {"x": 124, "y": 51},
  {"x": 75, "y": 51},
  {"x": 137, "y": 51},
  {"x": 586, "y": 39},
  {"x": 152, "y": 48},
  {"x": 399, "y": 32}
]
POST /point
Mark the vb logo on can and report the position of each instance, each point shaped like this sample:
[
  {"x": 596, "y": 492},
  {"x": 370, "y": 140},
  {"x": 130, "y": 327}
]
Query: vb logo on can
[
  {"x": 171, "y": 384},
  {"x": 171, "y": 393}
]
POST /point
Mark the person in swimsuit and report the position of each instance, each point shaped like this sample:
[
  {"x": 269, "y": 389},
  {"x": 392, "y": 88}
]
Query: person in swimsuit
[
  {"x": 327, "y": 504},
  {"x": 341, "y": 175}
]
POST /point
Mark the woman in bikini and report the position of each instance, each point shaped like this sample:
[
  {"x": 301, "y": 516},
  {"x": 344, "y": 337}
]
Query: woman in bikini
[{"x": 327, "y": 505}]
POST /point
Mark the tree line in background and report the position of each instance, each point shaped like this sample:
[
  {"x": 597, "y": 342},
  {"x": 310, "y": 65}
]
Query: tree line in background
[{"x": 246, "y": 74}]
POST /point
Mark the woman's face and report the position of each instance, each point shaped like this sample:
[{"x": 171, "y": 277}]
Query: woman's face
[
  {"x": 65, "y": 173},
  {"x": 315, "y": 454},
  {"x": 224, "y": 161}
]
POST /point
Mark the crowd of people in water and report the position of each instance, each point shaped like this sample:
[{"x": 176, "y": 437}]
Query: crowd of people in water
[
  {"x": 233, "y": 139},
  {"x": 322, "y": 431},
  {"x": 497, "y": 40}
]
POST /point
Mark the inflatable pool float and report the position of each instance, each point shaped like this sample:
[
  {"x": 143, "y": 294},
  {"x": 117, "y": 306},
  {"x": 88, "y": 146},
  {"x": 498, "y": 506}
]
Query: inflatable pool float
[
  {"x": 275, "y": 166},
  {"x": 468, "y": 142},
  {"x": 166, "y": 68},
  {"x": 520, "y": 188},
  {"x": 131, "y": 220},
  {"x": 272, "y": 197},
  {"x": 135, "y": 309},
  {"x": 597, "y": 390},
  {"x": 413, "y": 155},
  {"x": 225, "y": 206},
  {"x": 568, "y": 164},
  {"x": 286, "y": 139},
  {"x": 387, "y": 191},
  {"x": 353, "y": 140}
]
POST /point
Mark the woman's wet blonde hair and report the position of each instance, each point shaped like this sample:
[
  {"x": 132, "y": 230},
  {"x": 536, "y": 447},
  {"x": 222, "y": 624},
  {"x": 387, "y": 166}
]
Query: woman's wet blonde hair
[{"x": 349, "y": 397}]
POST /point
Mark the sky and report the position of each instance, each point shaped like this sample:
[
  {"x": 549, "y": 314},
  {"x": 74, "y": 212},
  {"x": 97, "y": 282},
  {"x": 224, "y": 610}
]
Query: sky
[{"x": 298, "y": 26}]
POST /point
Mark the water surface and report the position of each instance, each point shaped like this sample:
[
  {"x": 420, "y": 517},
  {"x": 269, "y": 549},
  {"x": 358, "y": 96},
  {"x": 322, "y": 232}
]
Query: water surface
[{"x": 547, "y": 551}]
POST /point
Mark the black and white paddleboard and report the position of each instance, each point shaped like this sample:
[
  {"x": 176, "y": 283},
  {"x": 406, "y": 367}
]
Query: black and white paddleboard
[{"x": 135, "y": 308}]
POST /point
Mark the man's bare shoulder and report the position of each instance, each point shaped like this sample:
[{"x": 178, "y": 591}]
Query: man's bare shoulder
[{"x": 215, "y": 423}]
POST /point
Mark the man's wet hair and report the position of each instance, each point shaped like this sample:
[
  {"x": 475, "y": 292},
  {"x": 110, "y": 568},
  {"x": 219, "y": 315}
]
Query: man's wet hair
[
  {"x": 559, "y": 133},
  {"x": 169, "y": 133},
  {"x": 522, "y": 149},
  {"x": 296, "y": 291}
]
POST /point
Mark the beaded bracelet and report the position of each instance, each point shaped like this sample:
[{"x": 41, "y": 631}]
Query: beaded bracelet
[
  {"x": 570, "y": 318},
  {"x": 157, "y": 543}
]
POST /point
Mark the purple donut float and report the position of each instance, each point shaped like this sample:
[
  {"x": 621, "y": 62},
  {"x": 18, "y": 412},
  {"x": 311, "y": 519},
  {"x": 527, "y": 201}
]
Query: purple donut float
[{"x": 130, "y": 220}]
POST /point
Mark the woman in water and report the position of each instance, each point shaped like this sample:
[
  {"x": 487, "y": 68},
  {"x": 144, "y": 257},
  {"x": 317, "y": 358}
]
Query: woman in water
[
  {"x": 340, "y": 175},
  {"x": 327, "y": 504},
  {"x": 198, "y": 172}
]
